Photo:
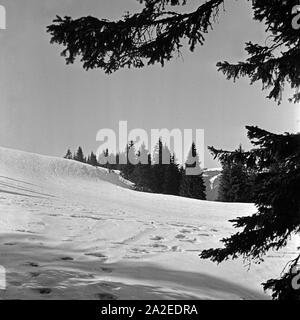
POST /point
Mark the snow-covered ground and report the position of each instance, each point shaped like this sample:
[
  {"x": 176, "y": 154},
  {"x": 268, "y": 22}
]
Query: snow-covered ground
[{"x": 68, "y": 231}]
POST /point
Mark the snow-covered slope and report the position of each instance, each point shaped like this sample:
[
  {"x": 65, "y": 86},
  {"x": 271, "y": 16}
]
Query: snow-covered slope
[{"x": 68, "y": 230}]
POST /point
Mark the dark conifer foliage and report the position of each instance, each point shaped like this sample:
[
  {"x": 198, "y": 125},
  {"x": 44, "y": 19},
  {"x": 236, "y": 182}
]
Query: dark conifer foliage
[
  {"x": 192, "y": 185},
  {"x": 131, "y": 161},
  {"x": 172, "y": 178},
  {"x": 156, "y": 34},
  {"x": 68, "y": 155},
  {"x": 142, "y": 171},
  {"x": 237, "y": 181},
  {"x": 158, "y": 169},
  {"x": 79, "y": 156},
  {"x": 148, "y": 37},
  {"x": 92, "y": 160},
  {"x": 276, "y": 160}
]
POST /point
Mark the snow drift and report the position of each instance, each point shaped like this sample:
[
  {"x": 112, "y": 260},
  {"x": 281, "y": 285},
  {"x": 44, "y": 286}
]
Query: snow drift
[{"x": 68, "y": 231}]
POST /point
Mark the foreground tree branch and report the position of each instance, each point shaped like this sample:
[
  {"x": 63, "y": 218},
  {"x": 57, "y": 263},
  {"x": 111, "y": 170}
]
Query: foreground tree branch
[
  {"x": 157, "y": 34},
  {"x": 152, "y": 36},
  {"x": 276, "y": 161}
]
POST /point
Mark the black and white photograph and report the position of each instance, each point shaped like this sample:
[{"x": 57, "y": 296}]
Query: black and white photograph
[{"x": 149, "y": 150}]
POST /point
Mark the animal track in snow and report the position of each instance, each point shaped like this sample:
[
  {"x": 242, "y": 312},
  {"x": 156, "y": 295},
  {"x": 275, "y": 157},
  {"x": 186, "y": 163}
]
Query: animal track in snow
[
  {"x": 106, "y": 296},
  {"x": 10, "y": 244},
  {"x": 43, "y": 290},
  {"x": 157, "y": 238},
  {"x": 66, "y": 259},
  {"x": 180, "y": 236},
  {"x": 185, "y": 231},
  {"x": 32, "y": 264},
  {"x": 106, "y": 269},
  {"x": 97, "y": 255}
]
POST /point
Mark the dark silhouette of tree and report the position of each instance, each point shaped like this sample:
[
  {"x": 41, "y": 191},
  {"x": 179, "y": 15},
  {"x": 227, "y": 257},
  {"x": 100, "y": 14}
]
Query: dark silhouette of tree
[
  {"x": 159, "y": 167},
  {"x": 155, "y": 35},
  {"x": 92, "y": 160},
  {"x": 79, "y": 156},
  {"x": 192, "y": 185},
  {"x": 68, "y": 155},
  {"x": 276, "y": 160},
  {"x": 131, "y": 161},
  {"x": 237, "y": 181},
  {"x": 172, "y": 177},
  {"x": 142, "y": 171}
]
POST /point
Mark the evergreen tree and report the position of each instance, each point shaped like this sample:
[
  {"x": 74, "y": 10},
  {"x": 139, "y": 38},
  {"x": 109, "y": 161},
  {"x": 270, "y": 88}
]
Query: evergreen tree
[
  {"x": 131, "y": 161},
  {"x": 237, "y": 181},
  {"x": 79, "y": 156},
  {"x": 276, "y": 160},
  {"x": 142, "y": 171},
  {"x": 68, "y": 155},
  {"x": 192, "y": 186},
  {"x": 159, "y": 168},
  {"x": 88, "y": 160},
  {"x": 172, "y": 178},
  {"x": 93, "y": 160}
]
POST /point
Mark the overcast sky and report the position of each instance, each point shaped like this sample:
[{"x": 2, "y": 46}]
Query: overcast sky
[{"x": 47, "y": 107}]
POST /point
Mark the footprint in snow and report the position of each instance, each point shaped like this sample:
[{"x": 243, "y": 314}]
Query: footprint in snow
[
  {"x": 66, "y": 259},
  {"x": 106, "y": 296},
  {"x": 157, "y": 238},
  {"x": 34, "y": 274},
  {"x": 158, "y": 245},
  {"x": 43, "y": 290},
  {"x": 185, "y": 231},
  {"x": 138, "y": 250},
  {"x": 97, "y": 255},
  {"x": 180, "y": 236},
  {"x": 32, "y": 264}
]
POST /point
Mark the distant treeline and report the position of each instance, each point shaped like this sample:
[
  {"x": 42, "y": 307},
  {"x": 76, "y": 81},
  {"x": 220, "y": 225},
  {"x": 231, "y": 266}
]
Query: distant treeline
[
  {"x": 159, "y": 173},
  {"x": 153, "y": 174}
]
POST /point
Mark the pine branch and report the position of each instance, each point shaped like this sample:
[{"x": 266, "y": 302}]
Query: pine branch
[{"x": 152, "y": 36}]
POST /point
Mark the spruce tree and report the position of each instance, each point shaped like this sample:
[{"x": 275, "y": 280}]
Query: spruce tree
[
  {"x": 237, "y": 181},
  {"x": 192, "y": 186},
  {"x": 93, "y": 160},
  {"x": 172, "y": 178},
  {"x": 68, "y": 155},
  {"x": 79, "y": 156},
  {"x": 158, "y": 168},
  {"x": 142, "y": 171},
  {"x": 88, "y": 160},
  {"x": 131, "y": 161},
  {"x": 276, "y": 160}
]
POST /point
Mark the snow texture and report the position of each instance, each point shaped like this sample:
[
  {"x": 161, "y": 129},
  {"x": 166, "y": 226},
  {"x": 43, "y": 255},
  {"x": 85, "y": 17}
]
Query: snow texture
[{"x": 71, "y": 231}]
